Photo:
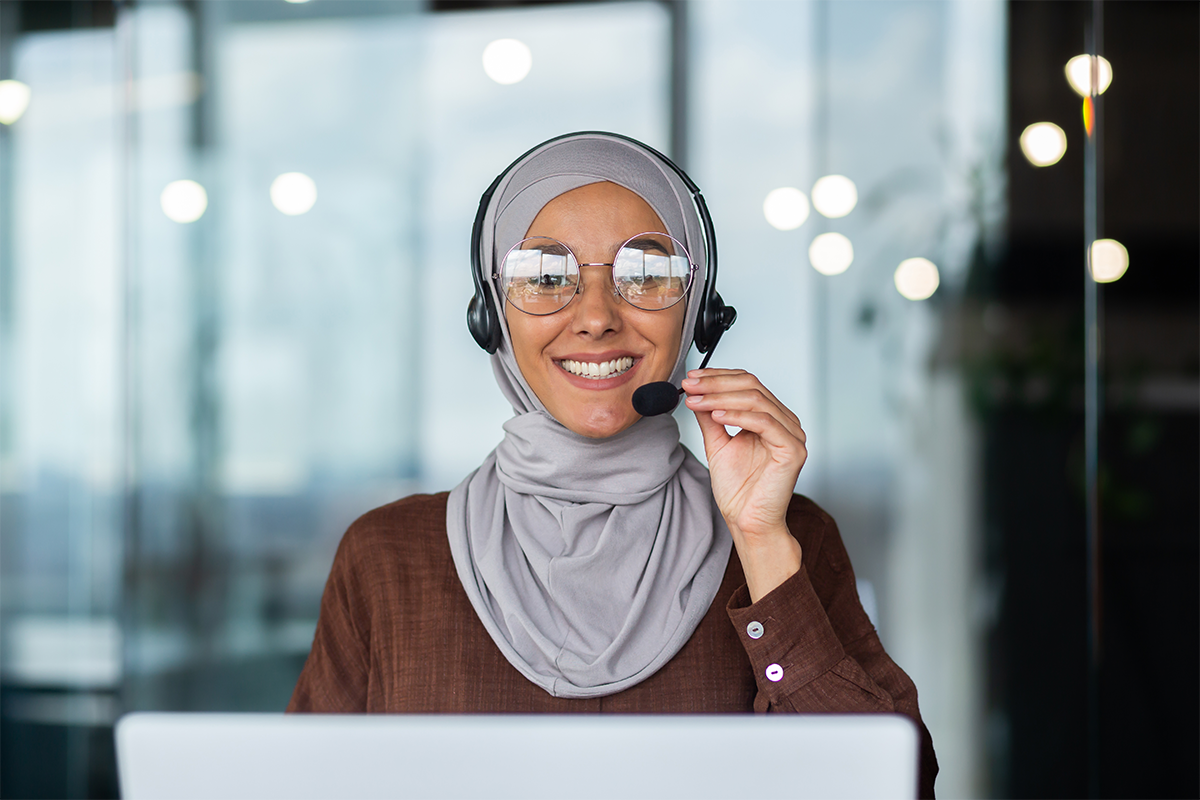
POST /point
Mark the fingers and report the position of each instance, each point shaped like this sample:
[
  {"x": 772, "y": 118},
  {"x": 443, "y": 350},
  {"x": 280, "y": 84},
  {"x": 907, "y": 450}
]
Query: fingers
[
  {"x": 713, "y": 381},
  {"x": 770, "y": 430},
  {"x": 746, "y": 400},
  {"x": 753, "y": 472},
  {"x": 737, "y": 390}
]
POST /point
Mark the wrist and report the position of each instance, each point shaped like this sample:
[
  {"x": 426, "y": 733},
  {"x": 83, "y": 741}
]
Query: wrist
[{"x": 768, "y": 559}]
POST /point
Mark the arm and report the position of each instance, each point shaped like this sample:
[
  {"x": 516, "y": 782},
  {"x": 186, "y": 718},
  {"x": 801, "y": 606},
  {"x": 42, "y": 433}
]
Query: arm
[
  {"x": 829, "y": 655},
  {"x": 811, "y": 646},
  {"x": 336, "y": 675}
]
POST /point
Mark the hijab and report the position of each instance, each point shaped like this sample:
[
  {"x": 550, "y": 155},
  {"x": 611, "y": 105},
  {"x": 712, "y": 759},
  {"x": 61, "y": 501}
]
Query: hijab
[{"x": 590, "y": 562}]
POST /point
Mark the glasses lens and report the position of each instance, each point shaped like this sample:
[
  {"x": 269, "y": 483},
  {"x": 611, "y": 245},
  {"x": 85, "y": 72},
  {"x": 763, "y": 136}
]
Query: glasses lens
[
  {"x": 652, "y": 271},
  {"x": 539, "y": 275}
]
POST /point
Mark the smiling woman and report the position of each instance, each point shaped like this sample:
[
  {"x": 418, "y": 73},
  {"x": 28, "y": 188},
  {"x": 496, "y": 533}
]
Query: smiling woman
[{"x": 591, "y": 563}]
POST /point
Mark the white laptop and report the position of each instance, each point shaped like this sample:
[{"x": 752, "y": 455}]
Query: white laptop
[{"x": 262, "y": 756}]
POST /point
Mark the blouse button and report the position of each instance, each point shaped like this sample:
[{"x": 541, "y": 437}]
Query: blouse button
[
  {"x": 775, "y": 673},
  {"x": 754, "y": 630}
]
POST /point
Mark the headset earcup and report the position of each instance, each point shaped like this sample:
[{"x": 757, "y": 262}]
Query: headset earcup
[
  {"x": 482, "y": 323},
  {"x": 728, "y": 316},
  {"x": 713, "y": 320}
]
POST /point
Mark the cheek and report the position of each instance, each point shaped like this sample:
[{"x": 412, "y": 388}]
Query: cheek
[
  {"x": 530, "y": 335},
  {"x": 665, "y": 330},
  {"x": 672, "y": 326}
]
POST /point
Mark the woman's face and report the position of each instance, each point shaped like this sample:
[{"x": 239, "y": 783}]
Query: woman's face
[{"x": 598, "y": 326}]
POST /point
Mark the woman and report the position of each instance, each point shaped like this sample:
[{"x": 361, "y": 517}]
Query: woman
[{"x": 591, "y": 563}]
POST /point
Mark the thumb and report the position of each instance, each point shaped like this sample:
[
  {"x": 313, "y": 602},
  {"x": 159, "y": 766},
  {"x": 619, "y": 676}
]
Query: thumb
[{"x": 714, "y": 433}]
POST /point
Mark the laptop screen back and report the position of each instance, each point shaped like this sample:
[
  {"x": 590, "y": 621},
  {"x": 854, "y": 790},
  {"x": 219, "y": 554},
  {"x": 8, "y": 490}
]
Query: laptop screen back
[{"x": 528, "y": 756}]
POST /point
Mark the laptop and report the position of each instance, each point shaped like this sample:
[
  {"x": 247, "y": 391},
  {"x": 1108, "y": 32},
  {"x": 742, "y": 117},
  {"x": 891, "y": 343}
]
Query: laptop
[{"x": 262, "y": 756}]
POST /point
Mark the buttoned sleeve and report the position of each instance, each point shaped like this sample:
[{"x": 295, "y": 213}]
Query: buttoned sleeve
[{"x": 812, "y": 647}]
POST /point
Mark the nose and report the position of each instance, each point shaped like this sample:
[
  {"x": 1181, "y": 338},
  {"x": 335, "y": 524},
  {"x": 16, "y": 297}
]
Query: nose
[{"x": 596, "y": 307}]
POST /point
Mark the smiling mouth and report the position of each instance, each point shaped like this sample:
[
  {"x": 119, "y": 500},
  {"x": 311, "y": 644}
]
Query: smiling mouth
[{"x": 597, "y": 370}]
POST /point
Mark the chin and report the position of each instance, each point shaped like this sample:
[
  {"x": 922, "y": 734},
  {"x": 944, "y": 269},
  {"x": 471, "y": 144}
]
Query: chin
[{"x": 602, "y": 422}]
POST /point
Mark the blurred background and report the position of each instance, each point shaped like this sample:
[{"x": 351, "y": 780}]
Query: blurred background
[{"x": 234, "y": 269}]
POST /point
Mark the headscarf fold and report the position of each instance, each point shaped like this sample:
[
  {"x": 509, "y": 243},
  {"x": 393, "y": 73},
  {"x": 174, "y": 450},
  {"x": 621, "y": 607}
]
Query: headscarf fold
[{"x": 590, "y": 562}]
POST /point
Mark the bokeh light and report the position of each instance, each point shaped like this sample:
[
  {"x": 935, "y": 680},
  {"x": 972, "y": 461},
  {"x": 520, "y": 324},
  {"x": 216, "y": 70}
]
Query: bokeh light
[
  {"x": 1079, "y": 74},
  {"x": 834, "y": 196},
  {"x": 917, "y": 278},
  {"x": 293, "y": 193},
  {"x": 786, "y": 208},
  {"x": 507, "y": 61},
  {"x": 1043, "y": 143},
  {"x": 1109, "y": 260},
  {"x": 183, "y": 201},
  {"x": 831, "y": 253},
  {"x": 14, "y": 99}
]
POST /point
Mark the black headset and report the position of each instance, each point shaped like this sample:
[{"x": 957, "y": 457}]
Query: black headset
[{"x": 483, "y": 319}]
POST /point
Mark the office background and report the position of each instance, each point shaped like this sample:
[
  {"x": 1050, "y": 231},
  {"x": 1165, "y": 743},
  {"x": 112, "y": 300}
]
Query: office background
[{"x": 233, "y": 275}]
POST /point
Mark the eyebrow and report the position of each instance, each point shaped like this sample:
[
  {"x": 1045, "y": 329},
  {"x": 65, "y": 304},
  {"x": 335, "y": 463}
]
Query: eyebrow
[
  {"x": 646, "y": 243},
  {"x": 551, "y": 248}
]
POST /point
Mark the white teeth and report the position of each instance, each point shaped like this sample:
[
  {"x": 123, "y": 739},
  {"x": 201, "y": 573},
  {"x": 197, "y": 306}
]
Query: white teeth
[{"x": 592, "y": 369}]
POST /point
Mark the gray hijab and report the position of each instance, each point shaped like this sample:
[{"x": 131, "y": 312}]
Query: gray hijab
[{"x": 590, "y": 562}]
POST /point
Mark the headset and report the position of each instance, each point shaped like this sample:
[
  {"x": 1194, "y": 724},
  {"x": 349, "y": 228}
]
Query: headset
[{"x": 483, "y": 318}]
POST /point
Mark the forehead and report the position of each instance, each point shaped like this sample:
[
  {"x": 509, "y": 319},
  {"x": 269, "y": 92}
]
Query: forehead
[{"x": 604, "y": 210}]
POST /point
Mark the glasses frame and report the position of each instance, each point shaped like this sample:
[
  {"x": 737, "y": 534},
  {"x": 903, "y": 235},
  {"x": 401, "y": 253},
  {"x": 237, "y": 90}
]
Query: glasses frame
[{"x": 496, "y": 275}]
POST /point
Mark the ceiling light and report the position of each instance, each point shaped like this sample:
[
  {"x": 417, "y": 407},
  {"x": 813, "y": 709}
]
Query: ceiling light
[
  {"x": 14, "y": 99},
  {"x": 1079, "y": 74},
  {"x": 834, "y": 196},
  {"x": 916, "y": 278},
  {"x": 507, "y": 61},
  {"x": 293, "y": 193},
  {"x": 1109, "y": 260},
  {"x": 183, "y": 201},
  {"x": 831, "y": 253},
  {"x": 786, "y": 208},
  {"x": 1043, "y": 143}
]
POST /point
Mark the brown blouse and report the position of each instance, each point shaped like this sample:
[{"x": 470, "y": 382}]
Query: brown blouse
[{"x": 397, "y": 634}]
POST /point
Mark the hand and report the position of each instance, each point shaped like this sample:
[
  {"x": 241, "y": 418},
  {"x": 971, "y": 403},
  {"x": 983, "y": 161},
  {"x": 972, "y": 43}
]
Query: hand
[{"x": 754, "y": 472}]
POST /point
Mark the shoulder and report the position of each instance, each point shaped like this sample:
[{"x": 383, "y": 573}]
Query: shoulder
[
  {"x": 417, "y": 512},
  {"x": 395, "y": 533}
]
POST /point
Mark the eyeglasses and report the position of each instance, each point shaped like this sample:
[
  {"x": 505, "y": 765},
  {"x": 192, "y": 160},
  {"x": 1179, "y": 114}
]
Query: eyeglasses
[{"x": 651, "y": 271}]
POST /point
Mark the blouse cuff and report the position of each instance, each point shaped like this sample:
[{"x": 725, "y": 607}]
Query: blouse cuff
[{"x": 787, "y": 635}]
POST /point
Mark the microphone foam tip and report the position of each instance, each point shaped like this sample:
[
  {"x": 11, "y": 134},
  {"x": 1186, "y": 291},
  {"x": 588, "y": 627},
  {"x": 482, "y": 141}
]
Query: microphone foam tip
[{"x": 655, "y": 398}]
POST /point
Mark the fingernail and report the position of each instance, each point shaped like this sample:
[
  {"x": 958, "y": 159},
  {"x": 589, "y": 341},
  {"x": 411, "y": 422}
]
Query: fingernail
[
  {"x": 690, "y": 381},
  {"x": 694, "y": 373},
  {"x": 718, "y": 413},
  {"x": 691, "y": 401}
]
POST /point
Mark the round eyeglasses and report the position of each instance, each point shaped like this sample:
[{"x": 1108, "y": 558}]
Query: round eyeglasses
[{"x": 651, "y": 271}]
